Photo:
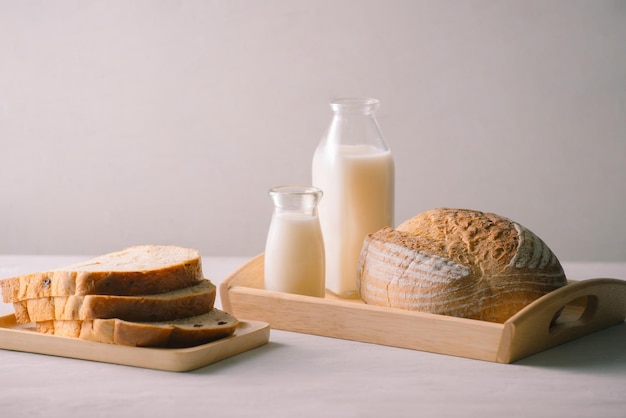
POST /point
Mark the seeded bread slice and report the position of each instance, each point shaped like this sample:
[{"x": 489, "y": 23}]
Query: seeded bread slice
[
  {"x": 182, "y": 303},
  {"x": 186, "y": 332},
  {"x": 139, "y": 270}
]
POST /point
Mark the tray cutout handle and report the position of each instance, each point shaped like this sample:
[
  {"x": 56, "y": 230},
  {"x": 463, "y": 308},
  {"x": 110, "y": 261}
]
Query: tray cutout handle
[
  {"x": 576, "y": 313},
  {"x": 575, "y": 310}
]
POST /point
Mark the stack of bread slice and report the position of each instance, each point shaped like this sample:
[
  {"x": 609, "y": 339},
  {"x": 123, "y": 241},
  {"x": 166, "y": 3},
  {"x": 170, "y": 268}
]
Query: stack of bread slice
[{"x": 144, "y": 296}]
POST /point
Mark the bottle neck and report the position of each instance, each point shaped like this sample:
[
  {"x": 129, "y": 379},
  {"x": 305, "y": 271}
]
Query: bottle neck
[
  {"x": 354, "y": 123},
  {"x": 357, "y": 106},
  {"x": 300, "y": 200}
]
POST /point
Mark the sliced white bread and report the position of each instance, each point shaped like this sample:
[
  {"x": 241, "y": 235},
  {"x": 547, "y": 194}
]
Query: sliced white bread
[
  {"x": 186, "y": 332},
  {"x": 182, "y": 303},
  {"x": 138, "y": 270}
]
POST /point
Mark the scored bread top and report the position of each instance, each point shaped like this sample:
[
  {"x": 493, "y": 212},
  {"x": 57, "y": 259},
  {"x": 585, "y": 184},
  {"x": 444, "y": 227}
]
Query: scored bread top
[
  {"x": 138, "y": 270},
  {"x": 485, "y": 242}
]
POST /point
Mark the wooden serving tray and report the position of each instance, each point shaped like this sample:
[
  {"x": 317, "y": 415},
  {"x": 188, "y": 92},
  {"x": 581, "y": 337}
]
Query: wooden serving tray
[
  {"x": 585, "y": 307},
  {"x": 248, "y": 335}
]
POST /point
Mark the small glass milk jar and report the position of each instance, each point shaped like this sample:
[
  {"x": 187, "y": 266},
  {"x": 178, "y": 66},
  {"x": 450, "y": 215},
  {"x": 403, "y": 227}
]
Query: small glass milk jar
[{"x": 294, "y": 250}]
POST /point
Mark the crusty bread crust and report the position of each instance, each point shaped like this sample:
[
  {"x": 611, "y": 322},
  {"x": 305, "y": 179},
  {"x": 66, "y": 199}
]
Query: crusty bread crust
[
  {"x": 457, "y": 262},
  {"x": 182, "y": 303},
  {"x": 185, "y": 332},
  {"x": 139, "y": 270}
]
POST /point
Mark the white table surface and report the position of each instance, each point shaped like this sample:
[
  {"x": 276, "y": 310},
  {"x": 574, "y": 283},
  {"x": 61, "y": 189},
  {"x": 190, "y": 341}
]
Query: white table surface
[{"x": 299, "y": 375}]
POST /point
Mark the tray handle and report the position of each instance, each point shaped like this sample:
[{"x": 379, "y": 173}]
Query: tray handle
[{"x": 575, "y": 310}]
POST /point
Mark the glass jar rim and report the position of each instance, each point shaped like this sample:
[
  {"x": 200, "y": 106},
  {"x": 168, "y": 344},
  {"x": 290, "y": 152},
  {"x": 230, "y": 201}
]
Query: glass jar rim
[
  {"x": 354, "y": 102},
  {"x": 296, "y": 198},
  {"x": 295, "y": 189}
]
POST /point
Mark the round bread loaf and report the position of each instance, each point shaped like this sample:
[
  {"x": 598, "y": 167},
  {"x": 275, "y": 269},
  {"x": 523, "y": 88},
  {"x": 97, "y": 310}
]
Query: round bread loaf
[{"x": 457, "y": 262}]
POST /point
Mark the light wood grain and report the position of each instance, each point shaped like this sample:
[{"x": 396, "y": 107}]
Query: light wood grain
[
  {"x": 571, "y": 312},
  {"x": 248, "y": 335},
  {"x": 528, "y": 332}
]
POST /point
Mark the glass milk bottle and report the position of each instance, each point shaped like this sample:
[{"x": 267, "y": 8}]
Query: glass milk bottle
[
  {"x": 354, "y": 167},
  {"x": 294, "y": 250}
]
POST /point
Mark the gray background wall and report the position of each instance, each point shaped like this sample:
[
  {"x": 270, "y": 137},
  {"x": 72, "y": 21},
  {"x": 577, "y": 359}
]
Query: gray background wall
[{"x": 131, "y": 122}]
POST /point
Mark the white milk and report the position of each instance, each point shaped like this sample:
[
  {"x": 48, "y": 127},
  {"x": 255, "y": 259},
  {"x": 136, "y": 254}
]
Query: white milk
[
  {"x": 294, "y": 255},
  {"x": 358, "y": 186}
]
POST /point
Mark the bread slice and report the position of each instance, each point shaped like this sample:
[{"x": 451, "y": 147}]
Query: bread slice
[
  {"x": 186, "y": 332},
  {"x": 182, "y": 303},
  {"x": 138, "y": 270}
]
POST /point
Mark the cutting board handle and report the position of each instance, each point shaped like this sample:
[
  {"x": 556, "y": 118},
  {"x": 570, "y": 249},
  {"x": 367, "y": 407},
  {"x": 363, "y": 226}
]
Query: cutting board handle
[{"x": 575, "y": 310}]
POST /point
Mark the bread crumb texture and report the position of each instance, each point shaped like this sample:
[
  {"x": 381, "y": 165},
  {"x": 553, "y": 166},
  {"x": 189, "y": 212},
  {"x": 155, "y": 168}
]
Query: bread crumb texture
[{"x": 138, "y": 270}]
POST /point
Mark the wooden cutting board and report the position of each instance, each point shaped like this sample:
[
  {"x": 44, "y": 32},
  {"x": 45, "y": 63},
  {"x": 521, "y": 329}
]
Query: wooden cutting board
[{"x": 248, "y": 335}]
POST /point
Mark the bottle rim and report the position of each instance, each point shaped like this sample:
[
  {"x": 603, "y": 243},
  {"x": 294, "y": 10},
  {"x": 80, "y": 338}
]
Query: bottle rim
[
  {"x": 295, "y": 190},
  {"x": 296, "y": 198},
  {"x": 354, "y": 103}
]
